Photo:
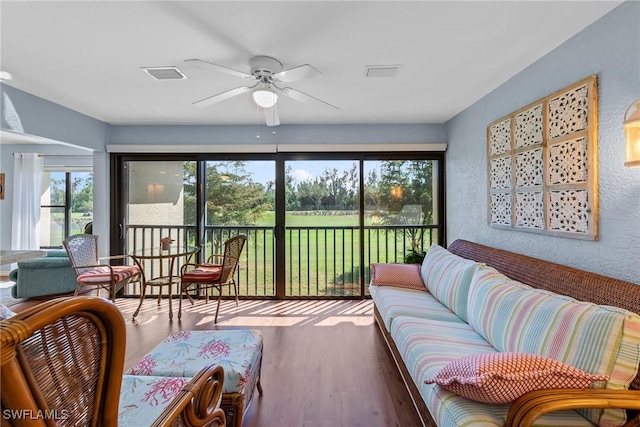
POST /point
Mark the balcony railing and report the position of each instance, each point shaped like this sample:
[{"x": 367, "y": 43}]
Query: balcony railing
[{"x": 320, "y": 261}]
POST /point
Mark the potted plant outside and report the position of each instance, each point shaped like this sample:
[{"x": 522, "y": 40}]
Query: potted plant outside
[{"x": 165, "y": 243}]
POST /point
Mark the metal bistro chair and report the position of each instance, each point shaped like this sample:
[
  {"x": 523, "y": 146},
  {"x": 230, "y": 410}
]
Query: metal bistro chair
[
  {"x": 213, "y": 275},
  {"x": 83, "y": 253}
]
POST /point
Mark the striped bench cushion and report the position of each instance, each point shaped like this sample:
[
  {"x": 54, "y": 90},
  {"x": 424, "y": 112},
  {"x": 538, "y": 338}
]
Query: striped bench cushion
[
  {"x": 103, "y": 274},
  {"x": 601, "y": 340},
  {"x": 427, "y": 345},
  {"x": 393, "y": 302},
  {"x": 447, "y": 276}
]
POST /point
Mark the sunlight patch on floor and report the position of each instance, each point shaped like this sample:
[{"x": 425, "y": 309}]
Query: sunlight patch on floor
[
  {"x": 252, "y": 313},
  {"x": 356, "y": 320},
  {"x": 258, "y": 321}
]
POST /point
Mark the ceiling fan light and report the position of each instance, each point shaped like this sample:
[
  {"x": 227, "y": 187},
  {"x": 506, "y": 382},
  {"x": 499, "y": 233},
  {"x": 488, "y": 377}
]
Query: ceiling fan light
[{"x": 265, "y": 97}]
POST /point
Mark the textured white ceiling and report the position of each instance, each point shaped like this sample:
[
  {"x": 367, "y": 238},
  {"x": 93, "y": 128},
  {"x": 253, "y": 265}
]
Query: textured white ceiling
[{"x": 87, "y": 55}]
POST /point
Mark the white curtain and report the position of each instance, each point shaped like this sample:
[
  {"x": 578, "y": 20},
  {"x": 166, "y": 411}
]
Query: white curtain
[{"x": 27, "y": 184}]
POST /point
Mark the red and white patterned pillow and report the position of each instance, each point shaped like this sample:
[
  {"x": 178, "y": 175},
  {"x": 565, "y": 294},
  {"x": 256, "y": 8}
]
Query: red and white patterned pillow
[
  {"x": 400, "y": 275},
  {"x": 503, "y": 377}
]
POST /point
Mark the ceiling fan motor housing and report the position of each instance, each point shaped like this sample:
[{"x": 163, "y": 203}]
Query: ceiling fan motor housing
[{"x": 264, "y": 67}]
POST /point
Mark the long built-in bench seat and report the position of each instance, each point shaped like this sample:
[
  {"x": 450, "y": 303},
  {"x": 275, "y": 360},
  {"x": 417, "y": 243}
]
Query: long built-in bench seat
[{"x": 487, "y": 325}]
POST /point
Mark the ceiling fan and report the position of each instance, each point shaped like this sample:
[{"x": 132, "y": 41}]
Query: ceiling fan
[{"x": 268, "y": 81}]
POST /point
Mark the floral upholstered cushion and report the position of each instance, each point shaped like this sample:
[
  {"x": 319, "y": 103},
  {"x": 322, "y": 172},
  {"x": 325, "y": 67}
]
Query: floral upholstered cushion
[
  {"x": 399, "y": 275},
  {"x": 503, "y": 377},
  {"x": 142, "y": 399},
  {"x": 185, "y": 353}
]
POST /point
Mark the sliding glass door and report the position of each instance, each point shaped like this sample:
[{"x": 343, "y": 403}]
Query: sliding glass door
[
  {"x": 239, "y": 199},
  {"x": 322, "y": 222},
  {"x": 158, "y": 202},
  {"x": 202, "y": 204},
  {"x": 314, "y": 222},
  {"x": 402, "y": 203}
]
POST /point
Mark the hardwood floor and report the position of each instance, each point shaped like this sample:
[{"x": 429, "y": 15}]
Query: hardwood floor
[{"x": 325, "y": 363}]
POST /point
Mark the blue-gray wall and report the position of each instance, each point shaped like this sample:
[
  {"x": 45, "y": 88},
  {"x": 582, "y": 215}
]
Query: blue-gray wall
[
  {"x": 27, "y": 115},
  {"x": 609, "y": 48},
  {"x": 24, "y": 113}
]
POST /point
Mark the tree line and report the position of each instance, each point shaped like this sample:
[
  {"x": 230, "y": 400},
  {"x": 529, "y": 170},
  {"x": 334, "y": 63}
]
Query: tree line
[
  {"x": 81, "y": 191},
  {"x": 399, "y": 192}
]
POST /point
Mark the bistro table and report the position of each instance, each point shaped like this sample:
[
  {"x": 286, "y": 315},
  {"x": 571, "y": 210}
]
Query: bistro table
[{"x": 164, "y": 254}]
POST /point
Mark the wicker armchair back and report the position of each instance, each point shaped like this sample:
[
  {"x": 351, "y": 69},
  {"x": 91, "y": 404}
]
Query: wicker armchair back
[{"x": 62, "y": 361}]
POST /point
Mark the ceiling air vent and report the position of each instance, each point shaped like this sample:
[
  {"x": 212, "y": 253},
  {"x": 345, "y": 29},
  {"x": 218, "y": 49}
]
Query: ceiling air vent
[
  {"x": 381, "y": 70},
  {"x": 165, "y": 73}
]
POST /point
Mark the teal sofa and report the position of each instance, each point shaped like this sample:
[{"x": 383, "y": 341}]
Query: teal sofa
[{"x": 46, "y": 276}]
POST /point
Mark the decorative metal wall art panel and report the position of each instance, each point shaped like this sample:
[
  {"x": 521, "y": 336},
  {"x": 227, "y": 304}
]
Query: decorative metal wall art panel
[
  {"x": 529, "y": 168},
  {"x": 501, "y": 173},
  {"x": 500, "y": 138},
  {"x": 501, "y": 208},
  {"x": 529, "y": 127},
  {"x": 542, "y": 165},
  {"x": 530, "y": 210},
  {"x": 568, "y": 112},
  {"x": 568, "y": 162},
  {"x": 569, "y": 211}
]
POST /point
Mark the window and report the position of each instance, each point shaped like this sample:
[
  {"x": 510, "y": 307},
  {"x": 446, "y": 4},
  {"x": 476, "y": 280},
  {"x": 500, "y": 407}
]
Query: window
[{"x": 66, "y": 205}]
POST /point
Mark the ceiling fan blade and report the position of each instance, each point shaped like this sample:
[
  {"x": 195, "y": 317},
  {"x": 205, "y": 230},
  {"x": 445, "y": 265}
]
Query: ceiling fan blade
[
  {"x": 301, "y": 72},
  {"x": 308, "y": 99},
  {"x": 271, "y": 117},
  {"x": 221, "y": 68},
  {"x": 221, "y": 96}
]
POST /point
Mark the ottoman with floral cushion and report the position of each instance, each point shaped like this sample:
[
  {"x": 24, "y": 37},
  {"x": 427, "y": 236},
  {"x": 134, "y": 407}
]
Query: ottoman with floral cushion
[
  {"x": 183, "y": 354},
  {"x": 143, "y": 398}
]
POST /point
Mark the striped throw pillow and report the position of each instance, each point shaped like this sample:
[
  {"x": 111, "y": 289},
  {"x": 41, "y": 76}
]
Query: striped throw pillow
[{"x": 448, "y": 276}]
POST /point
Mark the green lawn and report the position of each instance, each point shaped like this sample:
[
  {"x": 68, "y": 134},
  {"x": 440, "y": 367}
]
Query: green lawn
[
  {"x": 56, "y": 226},
  {"x": 319, "y": 262},
  {"x": 297, "y": 220}
]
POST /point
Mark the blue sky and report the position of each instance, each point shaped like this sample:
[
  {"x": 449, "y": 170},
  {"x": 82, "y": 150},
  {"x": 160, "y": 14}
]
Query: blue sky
[{"x": 264, "y": 171}]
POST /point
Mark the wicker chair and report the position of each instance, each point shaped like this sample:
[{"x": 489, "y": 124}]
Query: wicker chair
[
  {"x": 62, "y": 362},
  {"x": 213, "y": 275},
  {"x": 83, "y": 253}
]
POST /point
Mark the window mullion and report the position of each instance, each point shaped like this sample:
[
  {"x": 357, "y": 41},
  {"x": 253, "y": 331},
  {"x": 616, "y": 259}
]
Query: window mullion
[{"x": 67, "y": 202}]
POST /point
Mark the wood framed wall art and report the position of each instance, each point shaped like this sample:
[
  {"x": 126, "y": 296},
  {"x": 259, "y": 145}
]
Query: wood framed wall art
[
  {"x": 1, "y": 186},
  {"x": 543, "y": 165}
]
